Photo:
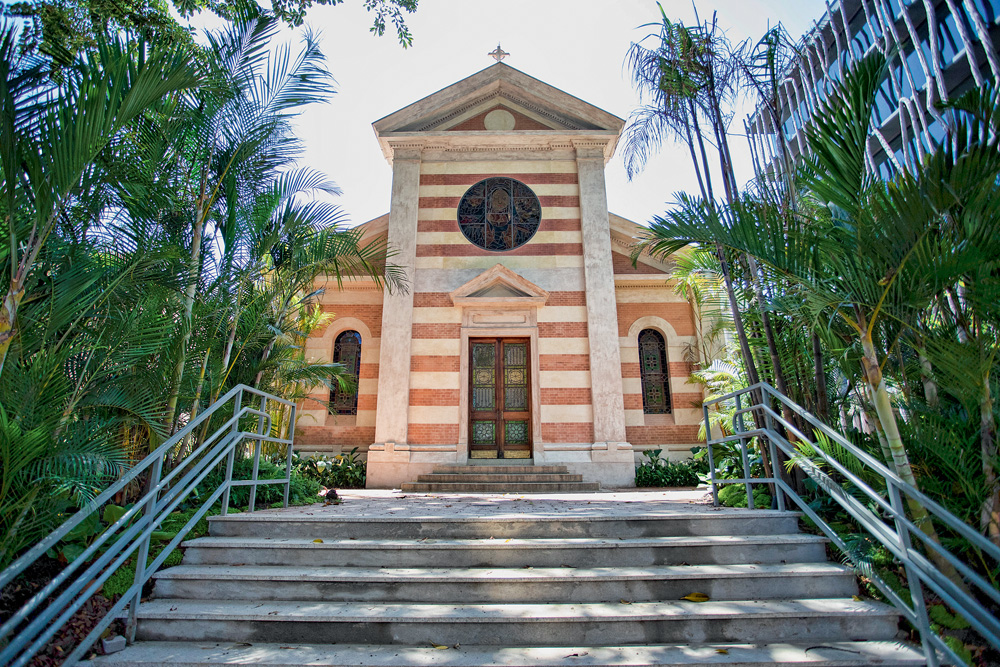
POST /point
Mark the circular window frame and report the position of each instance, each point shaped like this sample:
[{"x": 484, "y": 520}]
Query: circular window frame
[{"x": 486, "y": 189}]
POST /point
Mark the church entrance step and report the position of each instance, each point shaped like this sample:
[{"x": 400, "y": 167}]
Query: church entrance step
[
  {"x": 498, "y": 478},
  {"x": 500, "y": 487},
  {"x": 509, "y": 552},
  {"x": 501, "y": 467},
  {"x": 829, "y": 654},
  {"x": 502, "y": 585}
]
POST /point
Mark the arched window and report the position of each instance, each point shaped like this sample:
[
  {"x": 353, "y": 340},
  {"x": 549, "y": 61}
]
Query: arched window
[
  {"x": 347, "y": 351},
  {"x": 653, "y": 369}
]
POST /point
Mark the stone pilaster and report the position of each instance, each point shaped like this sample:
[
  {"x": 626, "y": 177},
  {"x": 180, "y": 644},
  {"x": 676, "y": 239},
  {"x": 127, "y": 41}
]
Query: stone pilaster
[
  {"x": 602, "y": 317},
  {"x": 385, "y": 455}
]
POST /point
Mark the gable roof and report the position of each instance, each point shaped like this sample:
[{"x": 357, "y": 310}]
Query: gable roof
[{"x": 547, "y": 112}]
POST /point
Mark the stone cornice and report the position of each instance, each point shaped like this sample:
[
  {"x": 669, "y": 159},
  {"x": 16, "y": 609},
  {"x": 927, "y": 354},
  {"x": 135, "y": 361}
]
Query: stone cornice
[{"x": 594, "y": 144}]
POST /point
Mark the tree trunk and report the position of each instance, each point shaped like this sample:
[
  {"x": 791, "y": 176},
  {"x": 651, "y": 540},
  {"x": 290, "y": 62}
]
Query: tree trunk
[
  {"x": 900, "y": 459},
  {"x": 8, "y": 316},
  {"x": 819, "y": 377},
  {"x": 927, "y": 377},
  {"x": 194, "y": 273},
  {"x": 990, "y": 515}
]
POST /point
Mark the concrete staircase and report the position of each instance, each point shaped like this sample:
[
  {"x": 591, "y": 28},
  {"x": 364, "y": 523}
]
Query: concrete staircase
[
  {"x": 280, "y": 588},
  {"x": 492, "y": 478}
]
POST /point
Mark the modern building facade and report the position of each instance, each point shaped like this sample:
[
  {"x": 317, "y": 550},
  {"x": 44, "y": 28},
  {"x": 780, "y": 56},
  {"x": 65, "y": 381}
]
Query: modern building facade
[
  {"x": 526, "y": 333},
  {"x": 938, "y": 49}
]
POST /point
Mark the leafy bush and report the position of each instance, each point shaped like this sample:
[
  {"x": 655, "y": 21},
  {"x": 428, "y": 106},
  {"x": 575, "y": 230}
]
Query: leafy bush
[
  {"x": 655, "y": 471},
  {"x": 735, "y": 495},
  {"x": 343, "y": 471},
  {"x": 303, "y": 490}
]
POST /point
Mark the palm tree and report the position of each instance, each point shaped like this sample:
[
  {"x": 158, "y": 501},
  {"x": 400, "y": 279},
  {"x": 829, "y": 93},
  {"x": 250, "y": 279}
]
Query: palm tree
[
  {"x": 864, "y": 257},
  {"x": 53, "y": 135}
]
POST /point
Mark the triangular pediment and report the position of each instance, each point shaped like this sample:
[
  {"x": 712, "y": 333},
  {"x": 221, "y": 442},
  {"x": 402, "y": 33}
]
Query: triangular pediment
[
  {"x": 497, "y": 287},
  {"x": 500, "y": 86}
]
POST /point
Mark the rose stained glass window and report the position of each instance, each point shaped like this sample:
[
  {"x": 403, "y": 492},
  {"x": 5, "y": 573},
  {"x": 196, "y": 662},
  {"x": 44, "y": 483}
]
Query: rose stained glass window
[{"x": 499, "y": 214}]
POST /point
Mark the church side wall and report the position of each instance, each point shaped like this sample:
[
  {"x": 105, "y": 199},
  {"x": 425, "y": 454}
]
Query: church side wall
[
  {"x": 552, "y": 260},
  {"x": 652, "y": 304},
  {"x": 357, "y": 307}
]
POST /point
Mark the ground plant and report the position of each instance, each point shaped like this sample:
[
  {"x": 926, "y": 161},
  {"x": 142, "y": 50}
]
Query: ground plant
[
  {"x": 342, "y": 471},
  {"x": 656, "y": 471}
]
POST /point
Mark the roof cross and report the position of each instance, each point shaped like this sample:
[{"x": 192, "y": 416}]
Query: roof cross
[{"x": 498, "y": 53}]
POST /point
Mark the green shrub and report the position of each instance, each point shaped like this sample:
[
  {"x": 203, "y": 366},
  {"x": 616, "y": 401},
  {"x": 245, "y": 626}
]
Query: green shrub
[
  {"x": 302, "y": 492},
  {"x": 655, "y": 471},
  {"x": 735, "y": 495},
  {"x": 344, "y": 471}
]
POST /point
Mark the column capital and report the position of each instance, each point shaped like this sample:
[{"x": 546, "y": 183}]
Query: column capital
[
  {"x": 590, "y": 149},
  {"x": 406, "y": 150}
]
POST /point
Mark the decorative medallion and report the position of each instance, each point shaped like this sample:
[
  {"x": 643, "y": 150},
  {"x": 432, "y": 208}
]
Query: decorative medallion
[{"x": 499, "y": 214}]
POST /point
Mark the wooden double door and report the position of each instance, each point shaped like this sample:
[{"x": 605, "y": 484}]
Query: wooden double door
[{"x": 499, "y": 398}]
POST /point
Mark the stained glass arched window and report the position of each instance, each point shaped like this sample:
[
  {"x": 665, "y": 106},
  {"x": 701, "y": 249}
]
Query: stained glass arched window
[
  {"x": 655, "y": 376},
  {"x": 347, "y": 351},
  {"x": 499, "y": 213}
]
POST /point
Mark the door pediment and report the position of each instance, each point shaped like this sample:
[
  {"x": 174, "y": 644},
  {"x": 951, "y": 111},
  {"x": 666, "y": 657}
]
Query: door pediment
[{"x": 499, "y": 288}]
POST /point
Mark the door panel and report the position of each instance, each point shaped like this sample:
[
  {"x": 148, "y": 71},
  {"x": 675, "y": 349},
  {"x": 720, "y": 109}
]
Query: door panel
[{"x": 500, "y": 404}]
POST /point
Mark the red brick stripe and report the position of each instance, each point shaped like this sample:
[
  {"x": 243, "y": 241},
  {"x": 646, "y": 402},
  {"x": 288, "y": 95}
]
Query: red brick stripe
[
  {"x": 547, "y": 225},
  {"x": 561, "y": 396},
  {"x": 571, "y": 201},
  {"x": 447, "y": 397},
  {"x": 436, "y": 330},
  {"x": 469, "y": 250},
  {"x": 569, "y": 432},
  {"x": 567, "y": 299},
  {"x": 564, "y": 362},
  {"x": 472, "y": 179},
  {"x": 432, "y": 300},
  {"x": 562, "y": 329},
  {"x": 433, "y": 434},
  {"x": 431, "y": 363}
]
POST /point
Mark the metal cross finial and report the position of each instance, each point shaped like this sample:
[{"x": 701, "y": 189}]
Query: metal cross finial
[{"x": 498, "y": 53}]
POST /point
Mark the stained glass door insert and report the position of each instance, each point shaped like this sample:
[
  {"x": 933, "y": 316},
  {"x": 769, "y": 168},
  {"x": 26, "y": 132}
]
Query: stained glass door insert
[{"x": 499, "y": 405}]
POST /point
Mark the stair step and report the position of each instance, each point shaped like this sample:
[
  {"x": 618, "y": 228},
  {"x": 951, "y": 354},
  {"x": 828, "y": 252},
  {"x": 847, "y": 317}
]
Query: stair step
[
  {"x": 500, "y": 469},
  {"x": 509, "y": 552},
  {"x": 340, "y": 522},
  {"x": 500, "y": 487},
  {"x": 497, "y": 478},
  {"x": 829, "y": 654},
  {"x": 517, "y": 624},
  {"x": 611, "y": 584}
]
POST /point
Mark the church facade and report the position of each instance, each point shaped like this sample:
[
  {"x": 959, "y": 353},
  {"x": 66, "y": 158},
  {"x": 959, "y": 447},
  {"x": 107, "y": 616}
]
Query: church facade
[{"x": 526, "y": 332}]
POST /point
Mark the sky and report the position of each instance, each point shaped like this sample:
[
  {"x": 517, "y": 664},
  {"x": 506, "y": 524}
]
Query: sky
[{"x": 578, "y": 46}]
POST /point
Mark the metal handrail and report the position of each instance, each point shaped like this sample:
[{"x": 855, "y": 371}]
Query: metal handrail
[
  {"x": 29, "y": 629},
  {"x": 894, "y": 529}
]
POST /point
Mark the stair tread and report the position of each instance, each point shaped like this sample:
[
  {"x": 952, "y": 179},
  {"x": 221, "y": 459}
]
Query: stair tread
[
  {"x": 327, "y": 515},
  {"x": 510, "y": 575},
  {"x": 514, "y": 542},
  {"x": 369, "y": 612},
  {"x": 842, "y": 654}
]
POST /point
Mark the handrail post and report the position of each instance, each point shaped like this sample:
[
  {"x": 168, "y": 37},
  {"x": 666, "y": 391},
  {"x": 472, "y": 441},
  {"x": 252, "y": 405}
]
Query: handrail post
[
  {"x": 912, "y": 578},
  {"x": 237, "y": 406},
  {"x": 743, "y": 452},
  {"x": 258, "y": 445},
  {"x": 288, "y": 455},
  {"x": 142, "y": 555},
  {"x": 776, "y": 470},
  {"x": 711, "y": 458}
]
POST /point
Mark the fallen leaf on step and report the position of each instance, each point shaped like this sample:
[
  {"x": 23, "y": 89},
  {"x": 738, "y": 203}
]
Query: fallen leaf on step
[
  {"x": 291, "y": 647},
  {"x": 722, "y": 651},
  {"x": 576, "y": 655},
  {"x": 527, "y": 567},
  {"x": 856, "y": 598},
  {"x": 457, "y": 646},
  {"x": 696, "y": 597},
  {"x": 317, "y": 541},
  {"x": 440, "y": 647},
  {"x": 625, "y": 601}
]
